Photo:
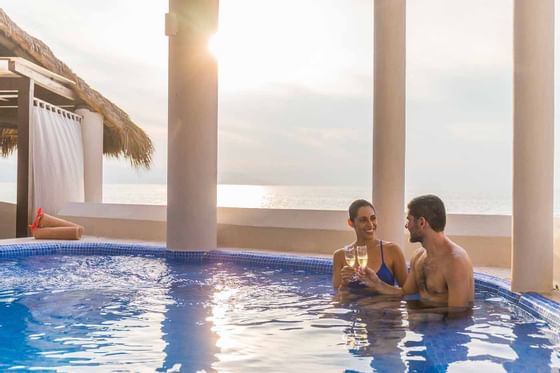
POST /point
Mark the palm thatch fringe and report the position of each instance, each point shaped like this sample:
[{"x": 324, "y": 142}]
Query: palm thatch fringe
[
  {"x": 121, "y": 136},
  {"x": 8, "y": 141}
]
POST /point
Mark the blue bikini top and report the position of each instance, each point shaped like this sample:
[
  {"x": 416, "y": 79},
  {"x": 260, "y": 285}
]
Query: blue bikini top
[{"x": 384, "y": 273}]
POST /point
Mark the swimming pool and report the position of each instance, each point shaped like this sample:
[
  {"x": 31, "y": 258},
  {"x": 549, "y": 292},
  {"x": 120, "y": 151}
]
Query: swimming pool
[{"x": 90, "y": 307}]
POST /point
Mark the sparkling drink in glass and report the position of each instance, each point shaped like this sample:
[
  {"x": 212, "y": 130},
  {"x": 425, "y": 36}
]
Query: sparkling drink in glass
[
  {"x": 361, "y": 251},
  {"x": 350, "y": 255}
]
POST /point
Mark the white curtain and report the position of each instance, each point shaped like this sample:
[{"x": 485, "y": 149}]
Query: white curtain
[{"x": 57, "y": 160}]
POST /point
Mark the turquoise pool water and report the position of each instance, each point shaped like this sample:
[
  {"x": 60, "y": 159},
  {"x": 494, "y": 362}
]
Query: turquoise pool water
[{"x": 134, "y": 313}]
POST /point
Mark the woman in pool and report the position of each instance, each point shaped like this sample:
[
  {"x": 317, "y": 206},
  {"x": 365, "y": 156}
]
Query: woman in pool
[{"x": 384, "y": 257}]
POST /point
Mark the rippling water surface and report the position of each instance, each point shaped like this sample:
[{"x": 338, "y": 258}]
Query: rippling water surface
[{"x": 92, "y": 313}]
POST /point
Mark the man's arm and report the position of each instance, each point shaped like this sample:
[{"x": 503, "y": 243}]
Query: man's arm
[
  {"x": 369, "y": 277},
  {"x": 410, "y": 286},
  {"x": 372, "y": 281},
  {"x": 459, "y": 281}
]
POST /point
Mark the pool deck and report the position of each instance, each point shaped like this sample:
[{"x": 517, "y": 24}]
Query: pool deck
[{"x": 500, "y": 272}]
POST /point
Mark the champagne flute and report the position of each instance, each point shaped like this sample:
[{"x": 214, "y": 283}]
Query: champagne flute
[
  {"x": 350, "y": 255},
  {"x": 361, "y": 251}
]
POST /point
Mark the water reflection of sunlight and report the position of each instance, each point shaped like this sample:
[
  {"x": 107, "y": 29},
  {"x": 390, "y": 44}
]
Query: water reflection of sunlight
[
  {"x": 220, "y": 306},
  {"x": 249, "y": 196}
]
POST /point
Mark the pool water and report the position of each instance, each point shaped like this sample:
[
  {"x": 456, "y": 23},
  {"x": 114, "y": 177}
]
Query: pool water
[{"x": 132, "y": 313}]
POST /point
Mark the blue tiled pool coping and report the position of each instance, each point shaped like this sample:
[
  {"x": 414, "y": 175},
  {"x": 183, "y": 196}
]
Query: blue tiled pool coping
[{"x": 536, "y": 304}]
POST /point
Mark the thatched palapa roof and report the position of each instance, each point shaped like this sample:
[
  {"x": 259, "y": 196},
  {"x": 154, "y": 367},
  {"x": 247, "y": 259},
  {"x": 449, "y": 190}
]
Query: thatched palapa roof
[{"x": 121, "y": 136}]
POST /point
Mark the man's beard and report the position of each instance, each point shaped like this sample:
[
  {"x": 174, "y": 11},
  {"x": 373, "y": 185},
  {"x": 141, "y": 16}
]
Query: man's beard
[{"x": 416, "y": 238}]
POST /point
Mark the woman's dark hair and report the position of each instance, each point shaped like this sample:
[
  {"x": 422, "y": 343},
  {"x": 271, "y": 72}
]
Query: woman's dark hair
[
  {"x": 431, "y": 208},
  {"x": 356, "y": 205}
]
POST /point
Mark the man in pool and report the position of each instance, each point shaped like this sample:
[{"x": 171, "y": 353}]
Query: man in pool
[{"x": 440, "y": 271}]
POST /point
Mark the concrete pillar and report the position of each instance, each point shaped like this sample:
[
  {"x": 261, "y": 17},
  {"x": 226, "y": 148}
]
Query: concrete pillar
[
  {"x": 193, "y": 126},
  {"x": 533, "y": 145},
  {"x": 92, "y": 136},
  {"x": 389, "y": 131}
]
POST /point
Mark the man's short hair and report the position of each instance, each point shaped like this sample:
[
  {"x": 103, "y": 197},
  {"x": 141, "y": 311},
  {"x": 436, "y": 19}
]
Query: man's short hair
[
  {"x": 356, "y": 205},
  {"x": 431, "y": 208}
]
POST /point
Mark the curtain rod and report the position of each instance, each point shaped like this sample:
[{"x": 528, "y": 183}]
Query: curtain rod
[{"x": 56, "y": 109}]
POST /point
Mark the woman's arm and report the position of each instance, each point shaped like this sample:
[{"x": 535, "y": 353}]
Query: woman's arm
[
  {"x": 338, "y": 263},
  {"x": 398, "y": 265}
]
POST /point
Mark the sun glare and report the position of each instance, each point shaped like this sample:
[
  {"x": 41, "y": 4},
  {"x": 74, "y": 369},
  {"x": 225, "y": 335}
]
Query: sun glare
[
  {"x": 252, "y": 196},
  {"x": 256, "y": 47},
  {"x": 214, "y": 45}
]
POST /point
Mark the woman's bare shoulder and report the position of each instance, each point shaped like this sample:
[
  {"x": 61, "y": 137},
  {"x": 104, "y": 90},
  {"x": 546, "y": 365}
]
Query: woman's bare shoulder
[
  {"x": 338, "y": 253},
  {"x": 391, "y": 247}
]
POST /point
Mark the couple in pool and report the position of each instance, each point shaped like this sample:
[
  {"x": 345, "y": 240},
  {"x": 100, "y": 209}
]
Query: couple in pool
[{"x": 440, "y": 273}]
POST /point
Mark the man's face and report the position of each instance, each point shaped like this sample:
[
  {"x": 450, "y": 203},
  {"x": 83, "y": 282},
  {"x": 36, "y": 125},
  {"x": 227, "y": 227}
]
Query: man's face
[
  {"x": 365, "y": 223},
  {"x": 415, "y": 231}
]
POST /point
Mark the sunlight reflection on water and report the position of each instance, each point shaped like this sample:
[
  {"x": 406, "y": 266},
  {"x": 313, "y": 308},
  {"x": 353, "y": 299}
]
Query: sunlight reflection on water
[{"x": 296, "y": 197}]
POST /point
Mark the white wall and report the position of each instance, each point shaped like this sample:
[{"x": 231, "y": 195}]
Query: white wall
[{"x": 487, "y": 238}]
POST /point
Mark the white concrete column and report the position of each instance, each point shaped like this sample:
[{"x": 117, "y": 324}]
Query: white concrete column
[
  {"x": 193, "y": 126},
  {"x": 389, "y": 131},
  {"x": 92, "y": 137},
  {"x": 533, "y": 145}
]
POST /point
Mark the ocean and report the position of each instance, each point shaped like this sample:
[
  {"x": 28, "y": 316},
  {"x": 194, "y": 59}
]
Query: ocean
[{"x": 294, "y": 197}]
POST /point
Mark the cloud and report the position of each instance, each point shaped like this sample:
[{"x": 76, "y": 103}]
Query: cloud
[
  {"x": 297, "y": 136},
  {"x": 460, "y": 137},
  {"x": 459, "y": 34},
  {"x": 316, "y": 129}
]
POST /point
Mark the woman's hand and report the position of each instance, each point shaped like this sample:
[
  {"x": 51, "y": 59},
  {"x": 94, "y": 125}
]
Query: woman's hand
[{"x": 346, "y": 274}]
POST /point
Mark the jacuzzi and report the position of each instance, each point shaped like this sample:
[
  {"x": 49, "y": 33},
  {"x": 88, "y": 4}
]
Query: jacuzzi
[{"x": 84, "y": 306}]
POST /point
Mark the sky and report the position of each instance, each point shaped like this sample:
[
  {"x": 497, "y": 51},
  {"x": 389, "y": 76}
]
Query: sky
[{"x": 295, "y": 86}]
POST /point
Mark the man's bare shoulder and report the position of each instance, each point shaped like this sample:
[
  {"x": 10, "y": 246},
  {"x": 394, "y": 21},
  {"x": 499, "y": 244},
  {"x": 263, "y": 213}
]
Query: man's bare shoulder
[
  {"x": 417, "y": 255},
  {"x": 458, "y": 252},
  {"x": 459, "y": 257}
]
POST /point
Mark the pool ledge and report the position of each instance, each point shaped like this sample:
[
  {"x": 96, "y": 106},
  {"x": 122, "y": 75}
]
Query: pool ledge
[{"x": 536, "y": 304}]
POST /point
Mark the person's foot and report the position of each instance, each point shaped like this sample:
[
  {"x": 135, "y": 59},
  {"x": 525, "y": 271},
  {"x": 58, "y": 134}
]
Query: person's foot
[{"x": 80, "y": 231}]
